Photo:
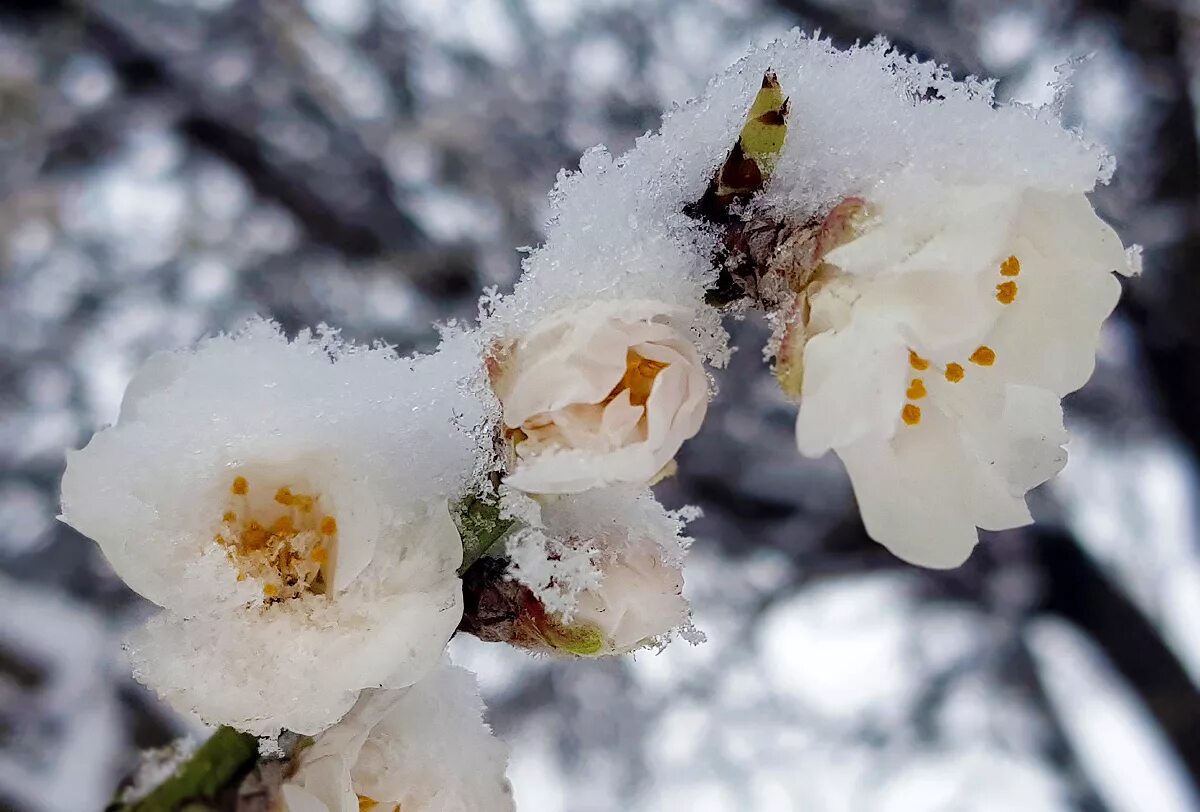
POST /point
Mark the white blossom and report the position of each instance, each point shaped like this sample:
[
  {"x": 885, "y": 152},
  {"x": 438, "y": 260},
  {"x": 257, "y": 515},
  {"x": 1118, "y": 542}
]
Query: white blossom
[
  {"x": 425, "y": 748},
  {"x": 599, "y": 394},
  {"x": 247, "y": 491},
  {"x": 936, "y": 345}
]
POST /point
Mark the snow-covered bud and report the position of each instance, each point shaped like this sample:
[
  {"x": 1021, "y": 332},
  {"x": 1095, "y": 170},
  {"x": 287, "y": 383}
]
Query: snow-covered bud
[
  {"x": 421, "y": 749},
  {"x": 598, "y": 573},
  {"x": 637, "y": 603},
  {"x": 245, "y": 490},
  {"x": 600, "y": 394},
  {"x": 936, "y": 350}
]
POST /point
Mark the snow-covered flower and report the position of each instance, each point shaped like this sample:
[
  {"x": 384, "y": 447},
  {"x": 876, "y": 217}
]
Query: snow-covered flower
[
  {"x": 421, "y": 749},
  {"x": 606, "y": 568},
  {"x": 603, "y": 393},
  {"x": 255, "y": 489},
  {"x": 936, "y": 346}
]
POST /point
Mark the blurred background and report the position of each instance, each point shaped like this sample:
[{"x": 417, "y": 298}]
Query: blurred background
[{"x": 170, "y": 167}]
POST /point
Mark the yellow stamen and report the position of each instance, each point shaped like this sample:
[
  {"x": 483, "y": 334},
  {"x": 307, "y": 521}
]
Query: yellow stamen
[
  {"x": 1006, "y": 292},
  {"x": 917, "y": 362},
  {"x": 916, "y": 390},
  {"x": 285, "y": 553},
  {"x": 1010, "y": 267},
  {"x": 366, "y": 804},
  {"x": 240, "y": 486},
  {"x": 984, "y": 356},
  {"x": 254, "y": 536},
  {"x": 911, "y": 414},
  {"x": 640, "y": 373},
  {"x": 954, "y": 372}
]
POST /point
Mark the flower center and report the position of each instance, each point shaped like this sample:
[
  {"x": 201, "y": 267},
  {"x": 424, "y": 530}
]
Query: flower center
[
  {"x": 285, "y": 542},
  {"x": 640, "y": 373},
  {"x": 983, "y": 356}
]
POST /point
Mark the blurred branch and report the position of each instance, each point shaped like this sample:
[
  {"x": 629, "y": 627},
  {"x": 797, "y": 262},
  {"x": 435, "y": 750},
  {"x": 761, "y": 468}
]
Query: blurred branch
[
  {"x": 1076, "y": 589},
  {"x": 1164, "y": 309},
  {"x": 343, "y": 199}
]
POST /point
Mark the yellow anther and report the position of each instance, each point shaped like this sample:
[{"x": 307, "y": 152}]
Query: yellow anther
[
  {"x": 254, "y": 536},
  {"x": 983, "y": 356},
  {"x": 1010, "y": 267},
  {"x": 916, "y": 390},
  {"x": 917, "y": 362},
  {"x": 284, "y": 552},
  {"x": 1006, "y": 292},
  {"x": 240, "y": 486},
  {"x": 366, "y": 804},
  {"x": 954, "y": 372},
  {"x": 640, "y": 373},
  {"x": 911, "y": 414}
]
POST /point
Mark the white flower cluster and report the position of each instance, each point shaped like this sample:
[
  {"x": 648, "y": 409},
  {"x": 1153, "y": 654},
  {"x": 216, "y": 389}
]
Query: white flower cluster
[{"x": 300, "y": 509}]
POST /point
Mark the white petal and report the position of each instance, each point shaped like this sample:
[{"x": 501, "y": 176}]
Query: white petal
[
  {"x": 297, "y": 799},
  {"x": 432, "y": 752},
  {"x": 1048, "y": 336},
  {"x": 573, "y": 471},
  {"x": 1067, "y": 229},
  {"x": 854, "y": 382},
  {"x": 911, "y": 494},
  {"x": 948, "y": 229},
  {"x": 155, "y": 375}
]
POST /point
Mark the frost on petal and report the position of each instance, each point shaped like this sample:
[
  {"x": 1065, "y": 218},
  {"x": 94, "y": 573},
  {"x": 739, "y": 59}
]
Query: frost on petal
[
  {"x": 299, "y": 664},
  {"x": 422, "y": 749}
]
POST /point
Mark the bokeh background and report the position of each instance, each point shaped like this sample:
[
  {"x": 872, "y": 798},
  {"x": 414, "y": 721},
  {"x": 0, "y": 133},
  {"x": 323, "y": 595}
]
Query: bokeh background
[{"x": 170, "y": 167}]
